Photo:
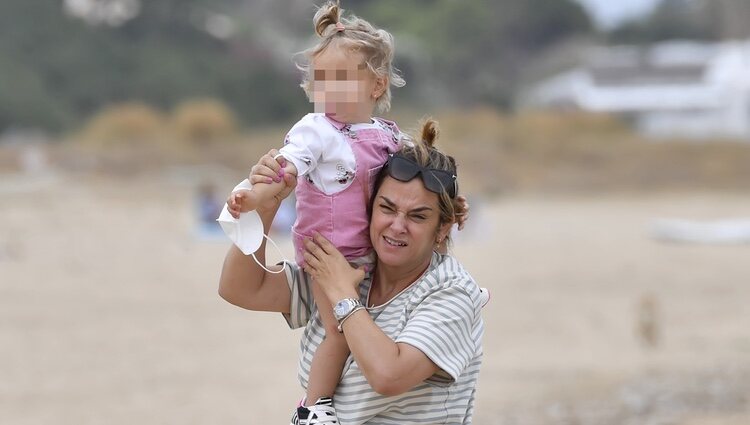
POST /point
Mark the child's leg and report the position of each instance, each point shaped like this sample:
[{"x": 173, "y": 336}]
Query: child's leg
[{"x": 329, "y": 358}]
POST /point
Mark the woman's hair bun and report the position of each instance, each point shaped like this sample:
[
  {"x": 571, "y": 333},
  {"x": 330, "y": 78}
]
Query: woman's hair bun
[
  {"x": 328, "y": 14},
  {"x": 430, "y": 132}
]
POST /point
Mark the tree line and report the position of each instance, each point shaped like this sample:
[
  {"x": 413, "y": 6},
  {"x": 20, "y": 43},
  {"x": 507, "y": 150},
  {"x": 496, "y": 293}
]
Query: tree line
[{"x": 59, "y": 68}]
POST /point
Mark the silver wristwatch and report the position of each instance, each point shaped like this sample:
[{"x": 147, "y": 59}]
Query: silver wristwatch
[{"x": 345, "y": 307}]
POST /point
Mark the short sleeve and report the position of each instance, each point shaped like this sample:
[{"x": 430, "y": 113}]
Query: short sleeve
[
  {"x": 304, "y": 145},
  {"x": 441, "y": 327},
  {"x": 300, "y": 309}
]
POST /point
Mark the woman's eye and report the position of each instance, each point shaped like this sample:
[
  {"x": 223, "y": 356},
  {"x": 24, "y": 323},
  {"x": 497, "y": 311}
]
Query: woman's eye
[
  {"x": 386, "y": 208},
  {"x": 418, "y": 217}
]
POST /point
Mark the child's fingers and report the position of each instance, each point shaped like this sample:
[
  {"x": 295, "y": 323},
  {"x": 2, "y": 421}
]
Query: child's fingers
[
  {"x": 232, "y": 207},
  {"x": 278, "y": 157},
  {"x": 290, "y": 180},
  {"x": 237, "y": 200}
]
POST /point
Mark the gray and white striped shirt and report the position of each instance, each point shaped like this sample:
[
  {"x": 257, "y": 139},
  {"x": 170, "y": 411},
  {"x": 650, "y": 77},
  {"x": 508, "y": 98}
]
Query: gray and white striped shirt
[{"x": 440, "y": 314}]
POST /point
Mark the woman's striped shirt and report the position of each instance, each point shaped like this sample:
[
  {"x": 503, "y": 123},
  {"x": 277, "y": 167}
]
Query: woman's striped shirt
[{"x": 440, "y": 314}]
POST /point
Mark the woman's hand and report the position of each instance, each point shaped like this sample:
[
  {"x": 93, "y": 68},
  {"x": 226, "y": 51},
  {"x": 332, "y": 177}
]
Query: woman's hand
[
  {"x": 330, "y": 270},
  {"x": 273, "y": 168}
]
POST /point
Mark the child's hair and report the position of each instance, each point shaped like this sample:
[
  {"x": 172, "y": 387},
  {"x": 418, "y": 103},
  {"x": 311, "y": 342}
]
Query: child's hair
[
  {"x": 424, "y": 153},
  {"x": 358, "y": 35}
]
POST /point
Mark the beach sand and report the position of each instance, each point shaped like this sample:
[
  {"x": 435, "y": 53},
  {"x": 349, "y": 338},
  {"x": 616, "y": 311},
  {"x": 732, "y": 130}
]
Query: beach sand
[{"x": 109, "y": 312}]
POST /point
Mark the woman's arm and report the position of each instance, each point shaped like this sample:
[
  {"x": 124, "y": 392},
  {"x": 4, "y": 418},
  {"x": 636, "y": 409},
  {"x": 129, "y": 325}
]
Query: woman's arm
[
  {"x": 243, "y": 282},
  {"x": 391, "y": 368}
]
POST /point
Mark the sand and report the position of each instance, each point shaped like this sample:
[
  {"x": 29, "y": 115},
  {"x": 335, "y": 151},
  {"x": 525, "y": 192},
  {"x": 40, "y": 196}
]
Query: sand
[{"x": 109, "y": 312}]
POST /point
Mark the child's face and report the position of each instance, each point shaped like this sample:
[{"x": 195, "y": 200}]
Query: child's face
[{"x": 342, "y": 86}]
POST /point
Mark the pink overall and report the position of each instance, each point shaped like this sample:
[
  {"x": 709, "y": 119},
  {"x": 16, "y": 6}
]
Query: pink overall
[{"x": 342, "y": 217}]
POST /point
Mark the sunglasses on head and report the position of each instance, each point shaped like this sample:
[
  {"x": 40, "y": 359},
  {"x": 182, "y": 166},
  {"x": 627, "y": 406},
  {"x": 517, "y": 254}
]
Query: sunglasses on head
[{"x": 438, "y": 181}]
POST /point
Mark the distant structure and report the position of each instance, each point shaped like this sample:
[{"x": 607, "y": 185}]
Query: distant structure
[{"x": 687, "y": 89}]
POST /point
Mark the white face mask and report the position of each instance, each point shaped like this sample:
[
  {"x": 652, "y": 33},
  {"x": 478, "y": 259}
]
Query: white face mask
[{"x": 247, "y": 231}]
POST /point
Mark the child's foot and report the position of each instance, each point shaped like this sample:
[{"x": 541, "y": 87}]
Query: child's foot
[{"x": 320, "y": 413}]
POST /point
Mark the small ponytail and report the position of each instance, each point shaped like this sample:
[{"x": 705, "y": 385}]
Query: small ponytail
[
  {"x": 328, "y": 14},
  {"x": 430, "y": 132},
  {"x": 426, "y": 151}
]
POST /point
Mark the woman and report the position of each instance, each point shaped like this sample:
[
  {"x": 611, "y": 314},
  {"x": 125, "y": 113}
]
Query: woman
[{"x": 413, "y": 324}]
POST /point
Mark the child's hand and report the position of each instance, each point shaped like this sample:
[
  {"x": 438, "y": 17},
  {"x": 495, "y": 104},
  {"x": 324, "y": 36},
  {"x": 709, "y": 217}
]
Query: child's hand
[
  {"x": 235, "y": 202},
  {"x": 462, "y": 217}
]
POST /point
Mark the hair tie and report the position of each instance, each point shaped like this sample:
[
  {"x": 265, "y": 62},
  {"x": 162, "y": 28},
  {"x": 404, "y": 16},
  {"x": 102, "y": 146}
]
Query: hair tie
[{"x": 340, "y": 27}]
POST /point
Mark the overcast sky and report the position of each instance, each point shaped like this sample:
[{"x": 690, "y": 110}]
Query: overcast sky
[{"x": 610, "y": 13}]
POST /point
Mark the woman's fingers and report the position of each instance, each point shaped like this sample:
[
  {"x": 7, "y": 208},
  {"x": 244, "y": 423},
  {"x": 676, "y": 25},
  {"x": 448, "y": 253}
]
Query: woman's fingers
[
  {"x": 313, "y": 249},
  {"x": 323, "y": 243},
  {"x": 262, "y": 170},
  {"x": 311, "y": 261},
  {"x": 257, "y": 178},
  {"x": 269, "y": 160}
]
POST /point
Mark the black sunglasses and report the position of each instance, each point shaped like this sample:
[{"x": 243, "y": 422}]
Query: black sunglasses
[{"x": 438, "y": 181}]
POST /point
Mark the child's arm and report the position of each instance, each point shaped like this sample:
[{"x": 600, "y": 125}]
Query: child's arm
[
  {"x": 245, "y": 200},
  {"x": 303, "y": 146}
]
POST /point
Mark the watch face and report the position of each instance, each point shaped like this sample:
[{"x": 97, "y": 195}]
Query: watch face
[{"x": 342, "y": 307}]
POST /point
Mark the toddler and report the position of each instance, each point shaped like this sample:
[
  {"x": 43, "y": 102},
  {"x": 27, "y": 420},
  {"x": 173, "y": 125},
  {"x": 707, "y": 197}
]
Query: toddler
[{"x": 336, "y": 153}]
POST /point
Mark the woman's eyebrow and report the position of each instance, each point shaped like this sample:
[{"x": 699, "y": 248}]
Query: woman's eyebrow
[
  {"x": 415, "y": 210},
  {"x": 387, "y": 201},
  {"x": 419, "y": 210}
]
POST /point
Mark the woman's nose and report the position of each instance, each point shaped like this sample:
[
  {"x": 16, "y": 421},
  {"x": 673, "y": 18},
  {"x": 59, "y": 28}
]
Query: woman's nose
[{"x": 399, "y": 223}]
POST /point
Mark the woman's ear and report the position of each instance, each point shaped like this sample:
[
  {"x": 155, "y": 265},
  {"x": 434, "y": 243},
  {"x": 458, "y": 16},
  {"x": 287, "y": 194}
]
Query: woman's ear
[{"x": 443, "y": 232}]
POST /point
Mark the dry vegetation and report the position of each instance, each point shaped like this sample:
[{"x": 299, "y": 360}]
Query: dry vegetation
[
  {"x": 577, "y": 152},
  {"x": 498, "y": 153}
]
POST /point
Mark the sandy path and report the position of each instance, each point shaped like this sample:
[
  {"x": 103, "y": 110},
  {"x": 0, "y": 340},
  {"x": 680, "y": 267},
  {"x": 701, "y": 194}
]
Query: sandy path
[{"x": 109, "y": 314}]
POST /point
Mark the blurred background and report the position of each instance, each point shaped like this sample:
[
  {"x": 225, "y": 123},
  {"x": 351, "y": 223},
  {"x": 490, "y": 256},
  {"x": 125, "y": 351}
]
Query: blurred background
[{"x": 604, "y": 146}]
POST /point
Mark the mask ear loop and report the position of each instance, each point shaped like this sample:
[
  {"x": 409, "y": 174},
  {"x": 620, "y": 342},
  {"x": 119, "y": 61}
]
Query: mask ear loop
[{"x": 283, "y": 263}]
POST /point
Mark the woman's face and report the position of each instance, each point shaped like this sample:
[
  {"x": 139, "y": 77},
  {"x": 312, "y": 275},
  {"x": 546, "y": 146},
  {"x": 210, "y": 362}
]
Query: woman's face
[{"x": 405, "y": 223}]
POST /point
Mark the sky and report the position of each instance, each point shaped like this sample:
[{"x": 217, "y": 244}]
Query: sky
[{"x": 609, "y": 13}]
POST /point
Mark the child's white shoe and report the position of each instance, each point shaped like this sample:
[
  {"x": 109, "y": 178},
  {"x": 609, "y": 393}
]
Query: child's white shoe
[{"x": 320, "y": 413}]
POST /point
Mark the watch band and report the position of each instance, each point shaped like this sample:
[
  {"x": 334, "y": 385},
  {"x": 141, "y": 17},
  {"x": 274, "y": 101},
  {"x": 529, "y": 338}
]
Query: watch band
[
  {"x": 341, "y": 322},
  {"x": 342, "y": 308}
]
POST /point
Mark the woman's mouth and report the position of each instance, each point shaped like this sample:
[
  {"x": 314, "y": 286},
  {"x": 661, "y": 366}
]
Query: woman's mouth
[{"x": 393, "y": 242}]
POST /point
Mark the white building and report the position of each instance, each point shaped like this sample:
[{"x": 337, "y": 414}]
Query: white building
[{"x": 677, "y": 88}]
